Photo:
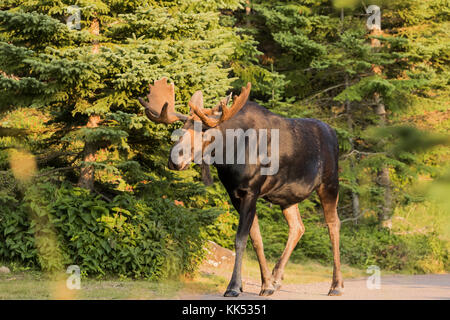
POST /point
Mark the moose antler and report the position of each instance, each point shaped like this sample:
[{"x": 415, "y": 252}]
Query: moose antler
[
  {"x": 227, "y": 113},
  {"x": 197, "y": 101},
  {"x": 160, "y": 107}
]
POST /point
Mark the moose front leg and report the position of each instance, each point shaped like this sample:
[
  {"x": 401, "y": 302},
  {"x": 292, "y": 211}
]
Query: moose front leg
[
  {"x": 296, "y": 230},
  {"x": 247, "y": 210},
  {"x": 266, "y": 277}
]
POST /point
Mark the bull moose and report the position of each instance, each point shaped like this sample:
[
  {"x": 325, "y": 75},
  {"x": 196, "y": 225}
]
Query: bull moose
[{"x": 308, "y": 161}]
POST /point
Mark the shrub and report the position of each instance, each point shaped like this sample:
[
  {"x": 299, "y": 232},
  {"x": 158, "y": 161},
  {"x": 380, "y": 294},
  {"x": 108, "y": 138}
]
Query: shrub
[
  {"x": 223, "y": 230},
  {"x": 371, "y": 245},
  {"x": 57, "y": 226}
]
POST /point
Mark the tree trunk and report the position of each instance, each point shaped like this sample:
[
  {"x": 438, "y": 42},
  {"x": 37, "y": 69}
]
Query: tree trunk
[
  {"x": 355, "y": 196},
  {"x": 348, "y": 110},
  {"x": 95, "y": 30},
  {"x": 87, "y": 173},
  {"x": 383, "y": 177},
  {"x": 385, "y": 181},
  {"x": 247, "y": 12}
]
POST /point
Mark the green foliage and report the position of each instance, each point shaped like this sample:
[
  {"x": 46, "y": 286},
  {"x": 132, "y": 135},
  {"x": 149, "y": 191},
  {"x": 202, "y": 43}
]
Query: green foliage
[
  {"x": 361, "y": 246},
  {"x": 304, "y": 59},
  {"x": 370, "y": 245},
  {"x": 223, "y": 231},
  {"x": 45, "y": 65},
  {"x": 53, "y": 227},
  {"x": 404, "y": 142}
]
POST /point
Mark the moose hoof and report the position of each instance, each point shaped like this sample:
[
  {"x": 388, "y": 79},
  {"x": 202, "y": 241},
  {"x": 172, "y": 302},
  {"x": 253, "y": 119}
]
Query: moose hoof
[
  {"x": 232, "y": 293},
  {"x": 276, "y": 285},
  {"x": 336, "y": 292},
  {"x": 266, "y": 292}
]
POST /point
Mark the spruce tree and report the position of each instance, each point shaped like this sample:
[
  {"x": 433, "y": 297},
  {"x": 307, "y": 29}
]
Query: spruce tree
[{"x": 88, "y": 79}]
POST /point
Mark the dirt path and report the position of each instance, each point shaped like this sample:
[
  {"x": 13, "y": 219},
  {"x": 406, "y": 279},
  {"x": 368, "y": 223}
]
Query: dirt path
[{"x": 392, "y": 288}]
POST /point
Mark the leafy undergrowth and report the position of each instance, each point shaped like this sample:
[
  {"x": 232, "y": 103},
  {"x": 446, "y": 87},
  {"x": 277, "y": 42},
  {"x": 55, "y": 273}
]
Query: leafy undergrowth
[{"x": 53, "y": 227}]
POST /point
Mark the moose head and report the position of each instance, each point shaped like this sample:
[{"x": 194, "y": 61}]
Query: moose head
[{"x": 160, "y": 108}]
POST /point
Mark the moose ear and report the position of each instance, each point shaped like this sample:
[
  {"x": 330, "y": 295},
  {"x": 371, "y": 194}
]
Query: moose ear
[{"x": 206, "y": 174}]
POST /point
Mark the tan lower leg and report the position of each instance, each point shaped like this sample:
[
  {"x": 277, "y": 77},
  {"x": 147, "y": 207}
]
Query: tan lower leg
[
  {"x": 255, "y": 235},
  {"x": 329, "y": 199},
  {"x": 333, "y": 228},
  {"x": 296, "y": 230}
]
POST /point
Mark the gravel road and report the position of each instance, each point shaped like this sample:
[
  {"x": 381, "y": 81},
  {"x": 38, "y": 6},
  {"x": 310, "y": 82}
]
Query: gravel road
[{"x": 391, "y": 288}]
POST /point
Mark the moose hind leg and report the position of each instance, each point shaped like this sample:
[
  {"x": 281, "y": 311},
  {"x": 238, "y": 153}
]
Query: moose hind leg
[
  {"x": 329, "y": 199},
  {"x": 266, "y": 277},
  {"x": 296, "y": 230}
]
